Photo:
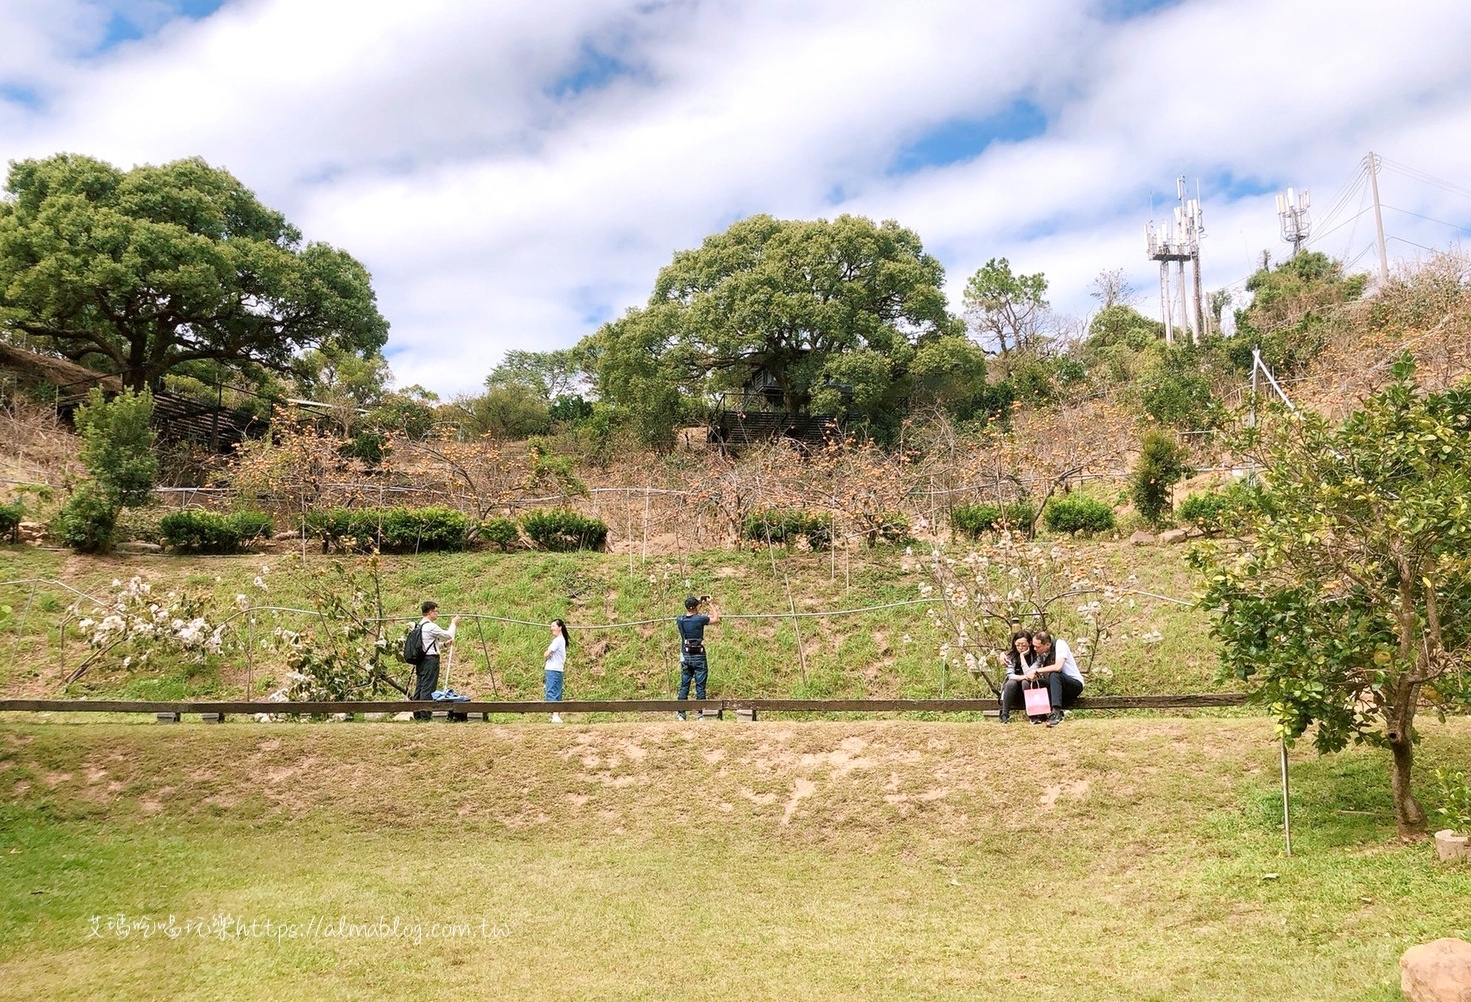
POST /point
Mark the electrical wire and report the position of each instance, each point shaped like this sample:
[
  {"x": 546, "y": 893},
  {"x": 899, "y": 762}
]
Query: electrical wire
[
  {"x": 1425, "y": 177},
  {"x": 1429, "y": 219}
]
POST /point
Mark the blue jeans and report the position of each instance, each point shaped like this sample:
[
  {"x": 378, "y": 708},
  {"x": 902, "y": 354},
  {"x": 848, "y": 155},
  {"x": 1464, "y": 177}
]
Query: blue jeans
[
  {"x": 693, "y": 666},
  {"x": 554, "y": 686}
]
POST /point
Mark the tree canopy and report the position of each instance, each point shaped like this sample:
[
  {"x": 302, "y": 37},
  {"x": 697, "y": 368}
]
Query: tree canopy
[
  {"x": 1003, "y": 308},
  {"x": 830, "y": 314},
  {"x": 1350, "y": 603},
  {"x": 1288, "y": 315},
  {"x": 137, "y": 272}
]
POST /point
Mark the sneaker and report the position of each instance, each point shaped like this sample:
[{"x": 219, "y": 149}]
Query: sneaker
[
  {"x": 680, "y": 715},
  {"x": 556, "y": 718},
  {"x": 1005, "y": 718},
  {"x": 1055, "y": 718}
]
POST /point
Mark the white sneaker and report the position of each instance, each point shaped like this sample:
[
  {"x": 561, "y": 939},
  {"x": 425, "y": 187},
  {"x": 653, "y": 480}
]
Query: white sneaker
[{"x": 556, "y": 718}]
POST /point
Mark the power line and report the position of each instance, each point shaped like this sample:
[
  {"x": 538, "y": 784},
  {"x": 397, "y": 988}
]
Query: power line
[
  {"x": 1415, "y": 174},
  {"x": 1430, "y": 219}
]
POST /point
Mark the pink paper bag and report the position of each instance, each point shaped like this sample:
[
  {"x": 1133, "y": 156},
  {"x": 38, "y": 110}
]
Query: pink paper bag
[{"x": 1039, "y": 704}]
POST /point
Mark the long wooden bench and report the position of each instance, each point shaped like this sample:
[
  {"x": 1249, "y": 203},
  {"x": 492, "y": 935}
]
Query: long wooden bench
[{"x": 216, "y": 711}]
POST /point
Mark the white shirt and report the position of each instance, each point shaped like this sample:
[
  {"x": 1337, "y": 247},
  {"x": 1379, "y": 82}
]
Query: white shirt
[
  {"x": 1063, "y": 658},
  {"x": 432, "y": 633},
  {"x": 556, "y": 655}
]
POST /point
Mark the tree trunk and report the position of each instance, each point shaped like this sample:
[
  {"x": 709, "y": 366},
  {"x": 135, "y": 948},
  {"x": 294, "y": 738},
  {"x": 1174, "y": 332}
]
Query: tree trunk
[{"x": 1409, "y": 815}]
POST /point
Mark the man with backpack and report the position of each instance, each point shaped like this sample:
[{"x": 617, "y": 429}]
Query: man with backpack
[{"x": 422, "y": 648}]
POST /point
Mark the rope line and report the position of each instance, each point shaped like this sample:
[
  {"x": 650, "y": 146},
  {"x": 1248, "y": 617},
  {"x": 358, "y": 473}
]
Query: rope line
[{"x": 487, "y": 617}]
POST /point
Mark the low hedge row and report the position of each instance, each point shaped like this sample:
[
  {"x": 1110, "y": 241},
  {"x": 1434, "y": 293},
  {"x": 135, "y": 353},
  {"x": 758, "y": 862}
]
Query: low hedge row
[
  {"x": 414, "y": 530},
  {"x": 785, "y": 526},
  {"x": 197, "y": 531},
  {"x": 978, "y": 519},
  {"x": 1076, "y": 513},
  {"x": 390, "y": 530},
  {"x": 564, "y": 529}
]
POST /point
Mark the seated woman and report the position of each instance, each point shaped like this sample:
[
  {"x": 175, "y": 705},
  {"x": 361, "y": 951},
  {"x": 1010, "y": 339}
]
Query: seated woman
[
  {"x": 1059, "y": 669},
  {"x": 1020, "y": 666}
]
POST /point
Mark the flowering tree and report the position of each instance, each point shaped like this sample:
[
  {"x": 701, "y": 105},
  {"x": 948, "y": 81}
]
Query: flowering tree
[
  {"x": 346, "y": 654},
  {"x": 133, "y": 624},
  {"x": 988, "y": 593}
]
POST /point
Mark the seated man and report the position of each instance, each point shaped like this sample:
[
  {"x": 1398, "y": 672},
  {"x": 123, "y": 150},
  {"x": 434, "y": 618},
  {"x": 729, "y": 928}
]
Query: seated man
[{"x": 1056, "y": 666}]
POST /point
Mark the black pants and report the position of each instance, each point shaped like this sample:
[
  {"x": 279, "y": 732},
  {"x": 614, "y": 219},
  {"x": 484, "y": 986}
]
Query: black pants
[
  {"x": 426, "y": 680},
  {"x": 1064, "y": 691}
]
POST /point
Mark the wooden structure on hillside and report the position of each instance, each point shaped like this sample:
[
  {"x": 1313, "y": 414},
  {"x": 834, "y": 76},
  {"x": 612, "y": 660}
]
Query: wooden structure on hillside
[
  {"x": 175, "y": 417},
  {"x": 758, "y": 413}
]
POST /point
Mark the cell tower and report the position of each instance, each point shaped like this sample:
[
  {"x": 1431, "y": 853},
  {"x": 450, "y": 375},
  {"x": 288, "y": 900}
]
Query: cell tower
[
  {"x": 1179, "y": 242},
  {"x": 1292, "y": 210}
]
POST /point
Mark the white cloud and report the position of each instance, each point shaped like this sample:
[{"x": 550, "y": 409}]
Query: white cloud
[{"x": 430, "y": 140}]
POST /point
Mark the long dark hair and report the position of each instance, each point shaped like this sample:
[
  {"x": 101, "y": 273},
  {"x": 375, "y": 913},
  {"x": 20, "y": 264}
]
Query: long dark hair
[
  {"x": 566, "y": 640},
  {"x": 1013, "y": 659}
]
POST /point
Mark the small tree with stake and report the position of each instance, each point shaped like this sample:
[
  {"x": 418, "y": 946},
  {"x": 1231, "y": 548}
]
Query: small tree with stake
[{"x": 1351, "y": 603}]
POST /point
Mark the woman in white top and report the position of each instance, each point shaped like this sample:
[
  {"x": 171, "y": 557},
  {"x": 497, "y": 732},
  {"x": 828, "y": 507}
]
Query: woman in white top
[{"x": 555, "y": 660}]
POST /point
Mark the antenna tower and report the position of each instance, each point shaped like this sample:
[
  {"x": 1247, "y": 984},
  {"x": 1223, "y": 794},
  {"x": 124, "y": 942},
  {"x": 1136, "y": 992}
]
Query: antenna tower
[
  {"x": 1179, "y": 241},
  {"x": 1292, "y": 211}
]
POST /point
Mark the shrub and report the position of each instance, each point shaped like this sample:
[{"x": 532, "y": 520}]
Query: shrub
[
  {"x": 1019, "y": 514},
  {"x": 139, "y": 524},
  {"x": 1161, "y": 465},
  {"x": 1076, "y": 513},
  {"x": 1455, "y": 800},
  {"x": 819, "y": 531},
  {"x": 407, "y": 530},
  {"x": 117, "y": 445},
  {"x": 975, "y": 519},
  {"x": 414, "y": 529},
  {"x": 87, "y": 521},
  {"x": 1206, "y": 511},
  {"x": 891, "y": 528},
  {"x": 564, "y": 529},
  {"x": 776, "y": 525},
  {"x": 197, "y": 531},
  {"x": 501, "y": 532},
  {"x": 1216, "y": 511},
  {"x": 10, "y": 516},
  {"x": 786, "y": 525},
  {"x": 333, "y": 526}
]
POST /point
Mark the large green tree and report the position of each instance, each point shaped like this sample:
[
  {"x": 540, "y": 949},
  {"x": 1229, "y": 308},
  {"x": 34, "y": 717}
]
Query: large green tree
[
  {"x": 139, "y": 271},
  {"x": 1006, "y": 309},
  {"x": 806, "y": 306},
  {"x": 1290, "y": 311},
  {"x": 1350, "y": 605}
]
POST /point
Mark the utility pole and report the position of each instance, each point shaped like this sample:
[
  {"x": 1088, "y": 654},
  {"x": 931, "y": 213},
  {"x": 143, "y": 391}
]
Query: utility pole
[
  {"x": 1378, "y": 218},
  {"x": 1292, "y": 212}
]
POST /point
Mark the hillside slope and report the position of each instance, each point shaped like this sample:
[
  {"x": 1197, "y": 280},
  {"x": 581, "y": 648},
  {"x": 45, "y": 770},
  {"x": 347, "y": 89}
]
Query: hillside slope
[{"x": 1102, "y": 860}]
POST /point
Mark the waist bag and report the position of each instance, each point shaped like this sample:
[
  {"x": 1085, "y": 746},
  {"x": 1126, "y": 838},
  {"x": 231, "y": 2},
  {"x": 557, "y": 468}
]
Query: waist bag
[{"x": 694, "y": 647}]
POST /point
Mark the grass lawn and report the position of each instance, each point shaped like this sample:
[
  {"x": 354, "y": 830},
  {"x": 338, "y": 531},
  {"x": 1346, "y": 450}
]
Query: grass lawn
[{"x": 1107, "y": 859}]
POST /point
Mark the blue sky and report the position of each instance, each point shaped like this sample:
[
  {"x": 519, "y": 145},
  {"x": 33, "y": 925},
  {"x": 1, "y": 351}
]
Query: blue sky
[
  {"x": 128, "y": 22},
  {"x": 512, "y": 178}
]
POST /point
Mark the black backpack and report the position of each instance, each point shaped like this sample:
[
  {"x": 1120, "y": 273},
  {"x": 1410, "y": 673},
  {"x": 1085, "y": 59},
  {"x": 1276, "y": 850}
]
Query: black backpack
[{"x": 413, "y": 646}]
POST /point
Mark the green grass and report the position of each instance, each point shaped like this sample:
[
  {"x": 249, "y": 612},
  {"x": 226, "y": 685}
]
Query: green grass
[
  {"x": 886, "y": 653},
  {"x": 1104, "y": 860}
]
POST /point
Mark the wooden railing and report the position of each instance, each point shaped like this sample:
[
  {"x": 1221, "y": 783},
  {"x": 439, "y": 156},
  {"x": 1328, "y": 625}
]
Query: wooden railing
[{"x": 746, "y": 708}]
